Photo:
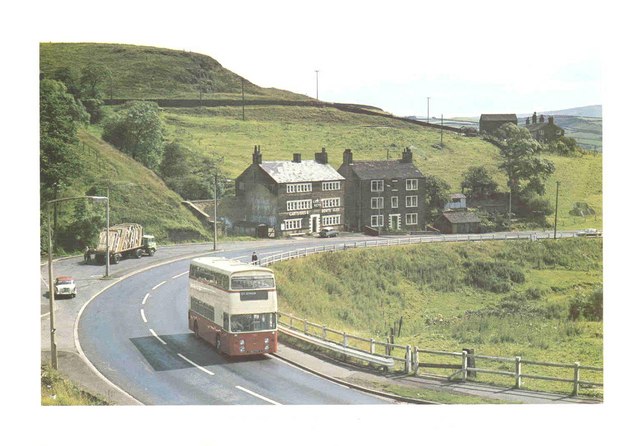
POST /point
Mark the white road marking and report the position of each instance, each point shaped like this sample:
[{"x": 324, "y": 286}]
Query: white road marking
[
  {"x": 181, "y": 274},
  {"x": 43, "y": 281},
  {"x": 144, "y": 301},
  {"x": 258, "y": 396},
  {"x": 158, "y": 337},
  {"x": 159, "y": 285},
  {"x": 142, "y": 314},
  {"x": 196, "y": 365}
]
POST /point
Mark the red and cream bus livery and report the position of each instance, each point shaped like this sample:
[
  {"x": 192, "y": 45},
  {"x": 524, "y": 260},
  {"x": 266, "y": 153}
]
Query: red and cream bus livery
[{"x": 233, "y": 306}]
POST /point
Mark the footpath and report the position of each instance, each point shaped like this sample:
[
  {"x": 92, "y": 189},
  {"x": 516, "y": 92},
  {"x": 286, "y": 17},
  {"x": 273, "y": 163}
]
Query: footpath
[{"x": 74, "y": 367}]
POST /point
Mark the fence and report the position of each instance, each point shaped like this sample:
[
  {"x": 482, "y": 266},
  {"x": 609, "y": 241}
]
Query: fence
[
  {"x": 303, "y": 252},
  {"x": 409, "y": 358},
  {"x": 368, "y": 349}
]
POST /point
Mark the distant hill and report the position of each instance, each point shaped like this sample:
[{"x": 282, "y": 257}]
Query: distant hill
[
  {"x": 588, "y": 111},
  {"x": 141, "y": 72}
]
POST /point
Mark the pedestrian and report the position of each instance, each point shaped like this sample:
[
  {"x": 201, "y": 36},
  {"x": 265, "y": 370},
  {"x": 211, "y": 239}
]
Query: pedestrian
[
  {"x": 87, "y": 254},
  {"x": 254, "y": 258}
]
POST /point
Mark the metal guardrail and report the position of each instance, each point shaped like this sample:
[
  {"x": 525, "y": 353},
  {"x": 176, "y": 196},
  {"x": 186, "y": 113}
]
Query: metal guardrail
[{"x": 386, "y": 242}]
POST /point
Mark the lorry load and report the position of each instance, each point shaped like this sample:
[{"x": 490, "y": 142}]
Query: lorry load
[{"x": 125, "y": 240}]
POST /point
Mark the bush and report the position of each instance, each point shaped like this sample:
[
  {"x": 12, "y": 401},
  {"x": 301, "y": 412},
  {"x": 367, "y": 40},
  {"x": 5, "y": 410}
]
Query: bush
[
  {"x": 587, "y": 307},
  {"x": 497, "y": 277}
]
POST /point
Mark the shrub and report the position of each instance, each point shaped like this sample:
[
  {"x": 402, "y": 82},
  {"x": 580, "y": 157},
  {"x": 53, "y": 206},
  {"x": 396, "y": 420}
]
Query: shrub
[
  {"x": 587, "y": 307},
  {"x": 497, "y": 277}
]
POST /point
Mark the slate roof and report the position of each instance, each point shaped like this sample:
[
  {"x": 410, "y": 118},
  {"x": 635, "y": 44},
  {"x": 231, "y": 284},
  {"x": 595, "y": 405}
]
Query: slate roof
[
  {"x": 461, "y": 217},
  {"x": 385, "y": 170},
  {"x": 304, "y": 171},
  {"x": 499, "y": 117}
]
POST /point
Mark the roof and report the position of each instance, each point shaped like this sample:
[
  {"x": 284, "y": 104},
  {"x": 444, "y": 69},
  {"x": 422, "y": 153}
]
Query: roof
[
  {"x": 539, "y": 125},
  {"x": 458, "y": 196},
  {"x": 228, "y": 265},
  {"x": 461, "y": 217},
  {"x": 306, "y": 170},
  {"x": 499, "y": 117},
  {"x": 386, "y": 170}
]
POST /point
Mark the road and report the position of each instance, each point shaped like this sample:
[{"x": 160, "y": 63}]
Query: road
[{"x": 132, "y": 329}]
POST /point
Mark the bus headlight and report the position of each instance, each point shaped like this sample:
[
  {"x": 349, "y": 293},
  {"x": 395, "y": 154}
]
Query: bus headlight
[
  {"x": 266, "y": 340},
  {"x": 266, "y": 348},
  {"x": 242, "y": 342}
]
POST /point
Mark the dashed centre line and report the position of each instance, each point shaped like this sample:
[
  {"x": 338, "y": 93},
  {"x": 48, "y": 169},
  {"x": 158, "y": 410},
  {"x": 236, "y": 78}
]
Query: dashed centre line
[
  {"x": 264, "y": 398},
  {"x": 144, "y": 301},
  {"x": 142, "y": 314},
  {"x": 199, "y": 367},
  {"x": 181, "y": 274},
  {"x": 159, "y": 285}
]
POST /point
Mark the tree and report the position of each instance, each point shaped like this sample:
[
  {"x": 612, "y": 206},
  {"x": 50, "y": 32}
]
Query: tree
[
  {"x": 92, "y": 78},
  {"x": 60, "y": 116},
  {"x": 174, "y": 161},
  {"x": 478, "y": 183},
  {"x": 137, "y": 131},
  {"x": 525, "y": 170},
  {"x": 437, "y": 196}
]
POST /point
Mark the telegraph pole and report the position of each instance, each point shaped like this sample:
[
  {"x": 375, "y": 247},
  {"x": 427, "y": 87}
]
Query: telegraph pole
[
  {"x": 242, "y": 98},
  {"x": 317, "y": 84},
  {"x": 555, "y": 223},
  {"x": 215, "y": 212},
  {"x": 428, "y": 98}
]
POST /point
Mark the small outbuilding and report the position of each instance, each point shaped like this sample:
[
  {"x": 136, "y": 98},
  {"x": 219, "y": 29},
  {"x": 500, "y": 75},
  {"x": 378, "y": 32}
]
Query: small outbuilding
[
  {"x": 458, "y": 222},
  {"x": 489, "y": 123}
]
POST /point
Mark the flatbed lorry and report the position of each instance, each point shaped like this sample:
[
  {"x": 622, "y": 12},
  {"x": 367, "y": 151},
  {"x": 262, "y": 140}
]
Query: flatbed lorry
[{"x": 125, "y": 240}]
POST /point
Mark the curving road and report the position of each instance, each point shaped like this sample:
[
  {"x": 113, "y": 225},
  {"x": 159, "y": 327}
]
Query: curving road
[{"x": 136, "y": 334}]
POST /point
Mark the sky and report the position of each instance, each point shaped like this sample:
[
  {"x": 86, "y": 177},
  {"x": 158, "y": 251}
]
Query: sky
[{"x": 467, "y": 57}]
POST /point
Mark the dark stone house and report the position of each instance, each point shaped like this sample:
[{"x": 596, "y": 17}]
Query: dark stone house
[
  {"x": 292, "y": 197},
  {"x": 543, "y": 131},
  {"x": 386, "y": 194},
  {"x": 489, "y": 123}
]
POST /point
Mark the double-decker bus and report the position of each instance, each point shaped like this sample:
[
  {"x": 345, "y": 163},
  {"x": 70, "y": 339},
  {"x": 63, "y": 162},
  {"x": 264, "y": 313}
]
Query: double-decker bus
[{"x": 233, "y": 306}]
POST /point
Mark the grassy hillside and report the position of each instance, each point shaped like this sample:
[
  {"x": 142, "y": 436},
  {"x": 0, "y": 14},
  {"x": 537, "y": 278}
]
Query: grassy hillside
[
  {"x": 499, "y": 298},
  {"x": 137, "y": 194},
  {"x": 281, "y": 131},
  {"x": 140, "y": 72}
]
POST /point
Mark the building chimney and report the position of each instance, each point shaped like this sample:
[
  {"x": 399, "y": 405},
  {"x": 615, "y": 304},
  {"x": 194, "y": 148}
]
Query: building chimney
[
  {"x": 550, "y": 119},
  {"x": 407, "y": 156},
  {"x": 297, "y": 157},
  {"x": 322, "y": 157},
  {"x": 257, "y": 156},
  {"x": 541, "y": 119},
  {"x": 528, "y": 121},
  {"x": 347, "y": 157},
  {"x": 534, "y": 118}
]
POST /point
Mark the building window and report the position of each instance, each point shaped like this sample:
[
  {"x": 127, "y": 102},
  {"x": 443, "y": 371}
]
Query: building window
[
  {"x": 330, "y": 220},
  {"x": 298, "y": 205},
  {"x": 294, "y": 223},
  {"x": 298, "y": 188},
  {"x": 377, "y": 185},
  {"x": 331, "y": 202},
  {"x": 394, "y": 202},
  {"x": 412, "y": 184},
  {"x": 377, "y": 202},
  {"x": 411, "y": 201},
  {"x": 331, "y": 185},
  {"x": 377, "y": 220},
  {"x": 411, "y": 219}
]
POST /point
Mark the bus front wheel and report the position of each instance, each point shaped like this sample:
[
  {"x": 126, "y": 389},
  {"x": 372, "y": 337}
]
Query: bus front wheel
[
  {"x": 218, "y": 344},
  {"x": 195, "y": 329}
]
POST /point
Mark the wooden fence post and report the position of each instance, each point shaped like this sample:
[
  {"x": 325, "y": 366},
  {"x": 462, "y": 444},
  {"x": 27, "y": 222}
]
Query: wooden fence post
[
  {"x": 407, "y": 360},
  {"x": 305, "y": 326},
  {"x": 576, "y": 378},
  {"x": 416, "y": 360},
  {"x": 324, "y": 332},
  {"x": 372, "y": 347},
  {"x": 518, "y": 372},
  {"x": 464, "y": 365},
  {"x": 344, "y": 338}
]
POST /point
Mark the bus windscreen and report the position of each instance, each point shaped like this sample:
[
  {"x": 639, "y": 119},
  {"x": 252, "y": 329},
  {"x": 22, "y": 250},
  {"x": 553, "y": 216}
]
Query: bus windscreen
[{"x": 253, "y": 322}]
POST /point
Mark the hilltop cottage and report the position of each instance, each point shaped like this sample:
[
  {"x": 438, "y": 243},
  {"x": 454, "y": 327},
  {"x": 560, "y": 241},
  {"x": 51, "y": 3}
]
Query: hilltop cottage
[
  {"x": 383, "y": 194},
  {"x": 292, "y": 197},
  {"x": 543, "y": 131},
  {"x": 489, "y": 123}
]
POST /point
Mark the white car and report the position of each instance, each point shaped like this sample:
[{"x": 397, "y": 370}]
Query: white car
[{"x": 65, "y": 286}]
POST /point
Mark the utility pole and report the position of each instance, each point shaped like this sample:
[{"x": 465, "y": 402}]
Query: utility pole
[
  {"x": 215, "y": 212},
  {"x": 441, "y": 125},
  {"x": 317, "y": 84},
  {"x": 428, "y": 98},
  {"x": 52, "y": 307},
  {"x": 555, "y": 223},
  {"x": 242, "y": 79}
]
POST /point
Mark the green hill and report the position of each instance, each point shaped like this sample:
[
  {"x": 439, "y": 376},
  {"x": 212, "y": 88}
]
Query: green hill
[
  {"x": 141, "y": 72},
  {"x": 220, "y": 133}
]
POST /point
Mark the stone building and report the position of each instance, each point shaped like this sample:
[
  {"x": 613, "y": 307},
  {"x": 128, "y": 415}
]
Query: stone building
[
  {"x": 388, "y": 194},
  {"x": 543, "y": 131},
  {"x": 292, "y": 197},
  {"x": 489, "y": 123}
]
